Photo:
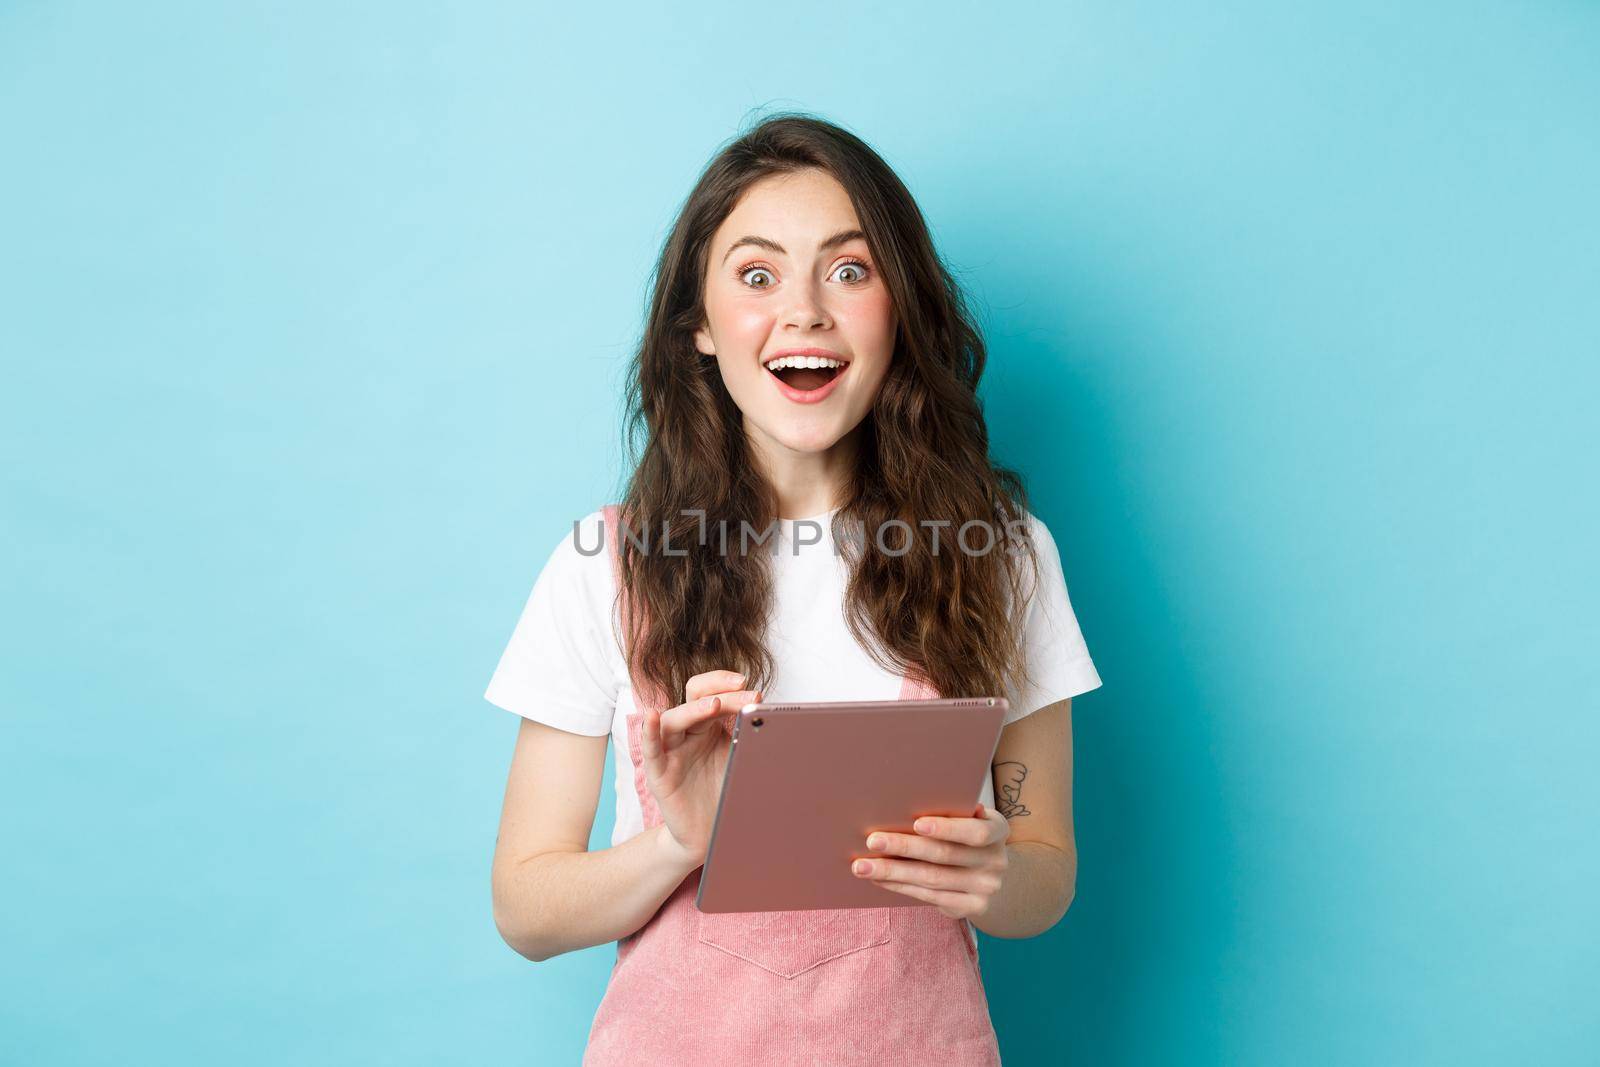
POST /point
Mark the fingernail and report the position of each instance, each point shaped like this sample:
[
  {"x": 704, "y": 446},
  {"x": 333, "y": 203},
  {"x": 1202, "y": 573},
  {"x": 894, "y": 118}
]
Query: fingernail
[
  {"x": 861, "y": 867},
  {"x": 924, "y": 827},
  {"x": 875, "y": 842}
]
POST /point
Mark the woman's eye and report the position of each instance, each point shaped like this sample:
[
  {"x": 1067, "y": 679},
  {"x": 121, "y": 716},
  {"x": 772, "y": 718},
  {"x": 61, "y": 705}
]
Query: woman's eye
[{"x": 852, "y": 273}]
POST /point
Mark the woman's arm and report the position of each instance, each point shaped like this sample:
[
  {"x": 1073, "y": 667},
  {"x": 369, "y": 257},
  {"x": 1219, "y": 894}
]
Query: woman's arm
[
  {"x": 1033, "y": 790},
  {"x": 1010, "y": 869},
  {"x": 552, "y": 895}
]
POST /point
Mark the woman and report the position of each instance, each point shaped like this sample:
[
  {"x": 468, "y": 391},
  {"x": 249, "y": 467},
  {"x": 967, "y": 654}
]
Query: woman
[{"x": 808, "y": 368}]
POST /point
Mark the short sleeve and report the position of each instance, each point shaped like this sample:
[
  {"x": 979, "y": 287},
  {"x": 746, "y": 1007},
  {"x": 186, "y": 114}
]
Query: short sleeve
[
  {"x": 1058, "y": 660},
  {"x": 556, "y": 669}
]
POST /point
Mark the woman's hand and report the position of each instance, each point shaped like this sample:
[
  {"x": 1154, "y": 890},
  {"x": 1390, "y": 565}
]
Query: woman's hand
[
  {"x": 686, "y": 753},
  {"x": 955, "y": 863}
]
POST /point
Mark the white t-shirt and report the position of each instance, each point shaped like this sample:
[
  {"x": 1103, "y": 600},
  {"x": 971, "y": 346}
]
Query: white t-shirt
[{"x": 564, "y": 665}]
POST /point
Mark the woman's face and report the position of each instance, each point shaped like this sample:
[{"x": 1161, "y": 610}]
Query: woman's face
[{"x": 789, "y": 269}]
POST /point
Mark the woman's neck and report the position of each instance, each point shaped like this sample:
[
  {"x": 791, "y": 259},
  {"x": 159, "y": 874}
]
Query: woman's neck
[{"x": 808, "y": 483}]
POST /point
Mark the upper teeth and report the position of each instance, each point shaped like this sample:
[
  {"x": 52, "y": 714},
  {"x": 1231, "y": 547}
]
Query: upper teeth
[{"x": 812, "y": 362}]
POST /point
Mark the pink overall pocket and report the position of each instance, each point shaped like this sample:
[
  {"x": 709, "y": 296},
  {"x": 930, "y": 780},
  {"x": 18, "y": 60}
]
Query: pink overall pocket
[{"x": 789, "y": 943}]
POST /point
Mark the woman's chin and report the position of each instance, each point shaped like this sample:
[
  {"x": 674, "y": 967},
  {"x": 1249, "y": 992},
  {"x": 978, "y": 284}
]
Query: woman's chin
[{"x": 813, "y": 435}]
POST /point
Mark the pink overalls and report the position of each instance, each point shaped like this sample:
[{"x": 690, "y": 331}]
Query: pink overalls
[{"x": 893, "y": 985}]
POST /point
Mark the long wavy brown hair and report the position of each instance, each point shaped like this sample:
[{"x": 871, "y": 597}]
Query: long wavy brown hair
[{"x": 947, "y": 617}]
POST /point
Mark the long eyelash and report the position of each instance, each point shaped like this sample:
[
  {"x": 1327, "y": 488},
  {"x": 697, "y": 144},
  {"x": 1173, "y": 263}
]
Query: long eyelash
[
  {"x": 849, "y": 262},
  {"x": 853, "y": 262}
]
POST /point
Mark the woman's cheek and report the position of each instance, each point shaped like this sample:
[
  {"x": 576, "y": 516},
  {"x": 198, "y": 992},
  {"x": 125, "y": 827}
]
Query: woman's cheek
[
  {"x": 869, "y": 324},
  {"x": 749, "y": 331}
]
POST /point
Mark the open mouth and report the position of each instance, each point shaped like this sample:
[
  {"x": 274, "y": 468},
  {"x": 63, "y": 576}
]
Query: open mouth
[{"x": 806, "y": 377}]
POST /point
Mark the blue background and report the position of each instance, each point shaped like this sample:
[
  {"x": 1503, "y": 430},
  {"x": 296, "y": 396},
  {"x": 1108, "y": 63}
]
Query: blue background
[{"x": 315, "y": 319}]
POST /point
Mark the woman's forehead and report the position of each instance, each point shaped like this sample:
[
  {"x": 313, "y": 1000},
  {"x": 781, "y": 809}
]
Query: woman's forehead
[{"x": 790, "y": 214}]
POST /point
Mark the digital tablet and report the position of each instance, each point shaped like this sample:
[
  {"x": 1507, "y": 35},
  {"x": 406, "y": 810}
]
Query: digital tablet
[{"x": 807, "y": 782}]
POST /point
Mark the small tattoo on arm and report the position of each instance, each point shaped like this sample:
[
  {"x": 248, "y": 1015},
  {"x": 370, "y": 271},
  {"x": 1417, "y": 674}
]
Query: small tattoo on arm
[{"x": 1008, "y": 776}]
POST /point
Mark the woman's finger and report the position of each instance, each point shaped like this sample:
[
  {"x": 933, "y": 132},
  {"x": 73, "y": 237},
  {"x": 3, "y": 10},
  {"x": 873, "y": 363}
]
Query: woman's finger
[
  {"x": 683, "y": 719},
  {"x": 930, "y": 875},
  {"x": 999, "y": 826},
  {"x": 953, "y": 905},
  {"x": 703, "y": 685},
  {"x": 913, "y": 846},
  {"x": 651, "y": 734},
  {"x": 963, "y": 831},
  {"x": 675, "y": 722},
  {"x": 729, "y": 705}
]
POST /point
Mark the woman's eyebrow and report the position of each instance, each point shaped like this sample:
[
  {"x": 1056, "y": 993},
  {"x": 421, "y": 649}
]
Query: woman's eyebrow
[{"x": 772, "y": 246}]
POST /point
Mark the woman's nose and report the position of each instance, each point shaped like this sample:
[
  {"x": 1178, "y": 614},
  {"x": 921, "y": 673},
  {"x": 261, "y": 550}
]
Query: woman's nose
[{"x": 807, "y": 310}]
